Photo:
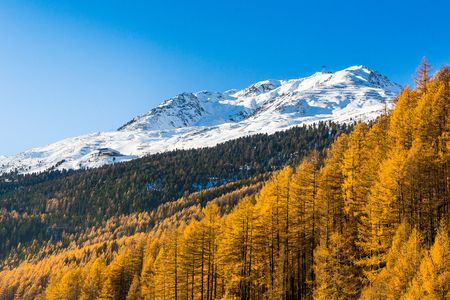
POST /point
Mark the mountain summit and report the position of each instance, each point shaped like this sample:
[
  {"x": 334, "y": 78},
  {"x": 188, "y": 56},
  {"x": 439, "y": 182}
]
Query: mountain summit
[
  {"x": 322, "y": 93},
  {"x": 192, "y": 120}
]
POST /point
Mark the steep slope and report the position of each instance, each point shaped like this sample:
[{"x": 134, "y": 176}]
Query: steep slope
[
  {"x": 72, "y": 201},
  {"x": 192, "y": 120}
]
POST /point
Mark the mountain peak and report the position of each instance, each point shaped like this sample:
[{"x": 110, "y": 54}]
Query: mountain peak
[
  {"x": 205, "y": 118},
  {"x": 207, "y": 108},
  {"x": 360, "y": 74},
  {"x": 259, "y": 88},
  {"x": 358, "y": 67}
]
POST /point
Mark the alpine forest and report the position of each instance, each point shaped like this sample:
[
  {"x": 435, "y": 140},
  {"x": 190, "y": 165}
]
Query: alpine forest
[{"x": 324, "y": 211}]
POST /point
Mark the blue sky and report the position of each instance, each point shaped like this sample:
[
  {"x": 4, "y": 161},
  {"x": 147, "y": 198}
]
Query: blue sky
[{"x": 74, "y": 67}]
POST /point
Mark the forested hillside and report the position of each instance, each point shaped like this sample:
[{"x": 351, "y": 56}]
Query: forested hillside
[
  {"x": 56, "y": 207},
  {"x": 368, "y": 221}
]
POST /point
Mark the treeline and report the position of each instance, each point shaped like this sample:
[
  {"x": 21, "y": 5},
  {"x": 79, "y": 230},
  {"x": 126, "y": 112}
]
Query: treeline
[
  {"x": 370, "y": 222},
  {"x": 57, "y": 205},
  {"x": 166, "y": 215}
]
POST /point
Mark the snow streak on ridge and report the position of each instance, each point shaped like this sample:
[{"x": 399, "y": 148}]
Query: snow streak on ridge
[{"x": 205, "y": 118}]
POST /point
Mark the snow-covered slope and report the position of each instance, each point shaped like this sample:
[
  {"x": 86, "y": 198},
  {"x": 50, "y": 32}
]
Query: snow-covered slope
[{"x": 192, "y": 120}]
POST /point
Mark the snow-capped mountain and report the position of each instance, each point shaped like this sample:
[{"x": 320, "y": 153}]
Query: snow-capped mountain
[{"x": 192, "y": 120}]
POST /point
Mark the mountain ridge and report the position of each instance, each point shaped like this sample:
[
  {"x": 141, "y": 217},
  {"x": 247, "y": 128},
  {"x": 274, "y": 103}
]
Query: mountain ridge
[{"x": 205, "y": 118}]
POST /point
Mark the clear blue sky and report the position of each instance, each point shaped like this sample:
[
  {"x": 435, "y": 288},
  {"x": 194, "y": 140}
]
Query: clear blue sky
[{"x": 74, "y": 67}]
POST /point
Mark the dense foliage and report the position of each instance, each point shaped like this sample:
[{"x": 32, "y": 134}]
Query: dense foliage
[
  {"x": 59, "y": 205},
  {"x": 369, "y": 222}
]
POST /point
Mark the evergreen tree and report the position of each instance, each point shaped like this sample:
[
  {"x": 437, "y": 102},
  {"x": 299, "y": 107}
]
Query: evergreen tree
[
  {"x": 336, "y": 275},
  {"x": 236, "y": 252},
  {"x": 356, "y": 184},
  {"x": 433, "y": 279},
  {"x": 134, "y": 293},
  {"x": 422, "y": 75},
  {"x": 330, "y": 195},
  {"x": 92, "y": 285}
]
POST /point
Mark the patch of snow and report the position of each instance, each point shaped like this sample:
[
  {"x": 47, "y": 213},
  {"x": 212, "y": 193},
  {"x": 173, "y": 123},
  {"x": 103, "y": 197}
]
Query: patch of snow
[{"x": 202, "y": 119}]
